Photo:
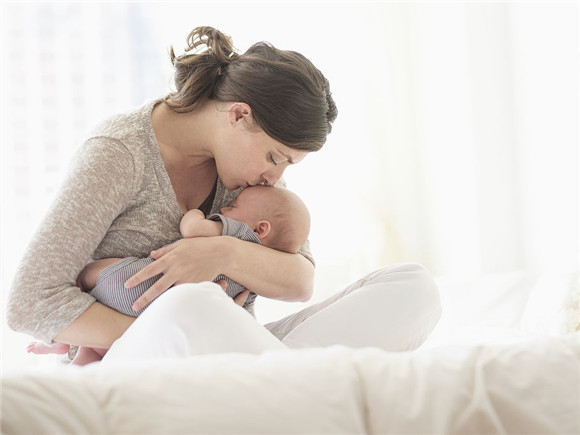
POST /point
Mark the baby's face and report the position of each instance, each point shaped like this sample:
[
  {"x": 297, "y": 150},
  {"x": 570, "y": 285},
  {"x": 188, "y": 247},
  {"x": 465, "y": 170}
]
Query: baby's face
[{"x": 245, "y": 208}]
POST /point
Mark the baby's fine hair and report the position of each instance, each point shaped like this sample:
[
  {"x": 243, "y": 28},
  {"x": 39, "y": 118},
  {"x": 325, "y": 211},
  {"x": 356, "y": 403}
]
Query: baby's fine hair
[
  {"x": 289, "y": 97},
  {"x": 289, "y": 217}
]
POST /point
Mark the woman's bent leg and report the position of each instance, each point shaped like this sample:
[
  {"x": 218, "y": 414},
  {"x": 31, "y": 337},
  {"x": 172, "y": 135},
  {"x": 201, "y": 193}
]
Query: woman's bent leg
[
  {"x": 394, "y": 308},
  {"x": 192, "y": 319}
]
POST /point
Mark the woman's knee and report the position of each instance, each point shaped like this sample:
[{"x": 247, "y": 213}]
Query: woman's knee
[
  {"x": 409, "y": 269},
  {"x": 410, "y": 282},
  {"x": 411, "y": 291},
  {"x": 416, "y": 277},
  {"x": 187, "y": 298}
]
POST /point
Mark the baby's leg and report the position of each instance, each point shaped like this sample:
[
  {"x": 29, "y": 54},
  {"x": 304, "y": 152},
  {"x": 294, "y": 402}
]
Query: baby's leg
[
  {"x": 87, "y": 279},
  {"x": 87, "y": 355},
  {"x": 110, "y": 285},
  {"x": 45, "y": 349}
]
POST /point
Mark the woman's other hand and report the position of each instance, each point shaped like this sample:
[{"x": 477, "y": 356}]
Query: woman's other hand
[{"x": 240, "y": 299}]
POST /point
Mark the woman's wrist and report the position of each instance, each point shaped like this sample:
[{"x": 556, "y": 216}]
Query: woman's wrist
[
  {"x": 228, "y": 251},
  {"x": 265, "y": 271}
]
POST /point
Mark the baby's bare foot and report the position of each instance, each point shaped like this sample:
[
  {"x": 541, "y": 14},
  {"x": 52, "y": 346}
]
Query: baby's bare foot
[{"x": 44, "y": 349}]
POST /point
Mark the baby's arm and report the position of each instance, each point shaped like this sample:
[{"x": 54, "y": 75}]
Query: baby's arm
[{"x": 194, "y": 224}]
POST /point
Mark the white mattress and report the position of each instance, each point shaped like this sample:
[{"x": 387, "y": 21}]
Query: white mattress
[{"x": 532, "y": 386}]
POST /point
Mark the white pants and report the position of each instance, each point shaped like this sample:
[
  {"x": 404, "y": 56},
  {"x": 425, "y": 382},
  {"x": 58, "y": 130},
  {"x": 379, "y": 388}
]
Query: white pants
[{"x": 394, "y": 308}]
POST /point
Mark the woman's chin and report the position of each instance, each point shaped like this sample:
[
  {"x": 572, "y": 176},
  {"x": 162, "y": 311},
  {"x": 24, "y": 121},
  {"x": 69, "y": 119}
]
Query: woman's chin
[{"x": 233, "y": 185}]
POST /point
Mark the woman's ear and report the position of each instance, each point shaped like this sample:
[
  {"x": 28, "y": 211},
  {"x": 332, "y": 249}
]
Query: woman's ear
[
  {"x": 239, "y": 112},
  {"x": 263, "y": 229}
]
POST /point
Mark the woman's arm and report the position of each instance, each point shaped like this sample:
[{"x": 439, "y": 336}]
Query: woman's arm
[
  {"x": 267, "y": 272},
  {"x": 44, "y": 299},
  {"x": 99, "y": 326}
]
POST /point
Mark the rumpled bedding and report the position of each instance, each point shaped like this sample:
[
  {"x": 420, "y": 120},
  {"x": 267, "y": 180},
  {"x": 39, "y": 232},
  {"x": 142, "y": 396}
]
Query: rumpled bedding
[{"x": 527, "y": 387}]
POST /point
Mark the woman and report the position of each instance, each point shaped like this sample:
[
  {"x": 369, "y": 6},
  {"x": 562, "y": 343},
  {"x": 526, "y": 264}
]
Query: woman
[{"x": 233, "y": 121}]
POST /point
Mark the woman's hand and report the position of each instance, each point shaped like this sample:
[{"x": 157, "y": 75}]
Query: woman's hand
[
  {"x": 240, "y": 299},
  {"x": 269, "y": 273},
  {"x": 187, "y": 260}
]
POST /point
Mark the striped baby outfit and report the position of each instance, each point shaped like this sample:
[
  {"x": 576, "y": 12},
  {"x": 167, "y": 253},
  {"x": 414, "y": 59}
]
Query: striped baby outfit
[{"x": 110, "y": 291}]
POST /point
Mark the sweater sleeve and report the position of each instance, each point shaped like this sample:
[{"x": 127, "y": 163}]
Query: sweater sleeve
[{"x": 44, "y": 298}]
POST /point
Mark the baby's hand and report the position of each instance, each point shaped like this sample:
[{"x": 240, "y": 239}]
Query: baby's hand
[
  {"x": 194, "y": 214},
  {"x": 194, "y": 224},
  {"x": 189, "y": 221}
]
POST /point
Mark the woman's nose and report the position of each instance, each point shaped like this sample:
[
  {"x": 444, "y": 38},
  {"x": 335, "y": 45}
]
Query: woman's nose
[{"x": 273, "y": 175}]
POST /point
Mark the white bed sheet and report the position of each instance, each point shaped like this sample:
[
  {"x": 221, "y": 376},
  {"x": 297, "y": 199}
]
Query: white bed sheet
[{"x": 531, "y": 387}]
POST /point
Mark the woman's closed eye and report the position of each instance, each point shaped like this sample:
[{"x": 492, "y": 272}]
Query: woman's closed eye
[{"x": 271, "y": 158}]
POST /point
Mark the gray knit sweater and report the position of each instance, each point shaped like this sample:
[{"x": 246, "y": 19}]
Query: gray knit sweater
[{"x": 117, "y": 201}]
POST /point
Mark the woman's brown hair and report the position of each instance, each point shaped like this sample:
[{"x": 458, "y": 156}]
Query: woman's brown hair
[{"x": 289, "y": 97}]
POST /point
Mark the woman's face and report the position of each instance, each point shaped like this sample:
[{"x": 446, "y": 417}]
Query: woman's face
[{"x": 247, "y": 156}]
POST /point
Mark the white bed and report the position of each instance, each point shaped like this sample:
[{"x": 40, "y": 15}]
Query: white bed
[{"x": 505, "y": 358}]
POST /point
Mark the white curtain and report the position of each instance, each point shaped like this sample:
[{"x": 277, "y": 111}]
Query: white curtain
[{"x": 456, "y": 144}]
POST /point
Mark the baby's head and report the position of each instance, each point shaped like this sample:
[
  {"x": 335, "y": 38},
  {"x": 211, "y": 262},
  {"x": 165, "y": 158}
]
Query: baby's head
[{"x": 278, "y": 217}]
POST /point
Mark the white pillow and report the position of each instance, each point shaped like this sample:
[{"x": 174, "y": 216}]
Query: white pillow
[{"x": 554, "y": 304}]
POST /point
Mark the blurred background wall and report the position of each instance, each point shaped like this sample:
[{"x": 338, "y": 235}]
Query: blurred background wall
[{"x": 456, "y": 144}]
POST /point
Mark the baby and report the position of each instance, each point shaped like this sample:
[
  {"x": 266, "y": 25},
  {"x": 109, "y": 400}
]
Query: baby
[{"x": 272, "y": 216}]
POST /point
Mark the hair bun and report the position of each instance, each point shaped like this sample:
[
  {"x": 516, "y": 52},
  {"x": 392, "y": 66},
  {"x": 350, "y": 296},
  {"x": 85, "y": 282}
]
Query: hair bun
[
  {"x": 218, "y": 44},
  {"x": 332, "y": 111}
]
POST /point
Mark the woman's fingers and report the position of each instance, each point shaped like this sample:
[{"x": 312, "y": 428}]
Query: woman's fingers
[
  {"x": 154, "y": 269},
  {"x": 158, "y": 253},
  {"x": 186, "y": 260},
  {"x": 163, "y": 283},
  {"x": 240, "y": 299},
  {"x": 160, "y": 286},
  {"x": 159, "y": 266}
]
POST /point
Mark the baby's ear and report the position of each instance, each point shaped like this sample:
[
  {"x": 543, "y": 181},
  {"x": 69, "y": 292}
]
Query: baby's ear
[{"x": 263, "y": 229}]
